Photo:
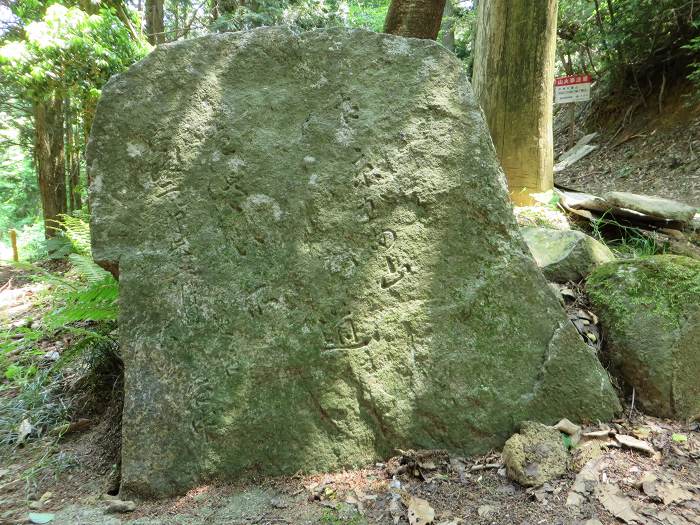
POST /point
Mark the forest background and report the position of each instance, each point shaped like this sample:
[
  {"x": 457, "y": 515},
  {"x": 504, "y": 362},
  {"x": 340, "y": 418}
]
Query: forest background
[{"x": 55, "y": 58}]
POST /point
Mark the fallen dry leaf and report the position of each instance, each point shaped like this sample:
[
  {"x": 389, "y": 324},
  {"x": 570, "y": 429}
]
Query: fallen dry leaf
[
  {"x": 634, "y": 443},
  {"x": 617, "y": 504},
  {"x": 664, "y": 491},
  {"x": 24, "y": 431},
  {"x": 420, "y": 512}
]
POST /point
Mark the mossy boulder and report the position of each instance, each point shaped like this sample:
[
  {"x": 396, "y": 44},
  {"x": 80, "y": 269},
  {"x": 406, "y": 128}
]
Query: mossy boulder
[
  {"x": 565, "y": 255},
  {"x": 318, "y": 261},
  {"x": 535, "y": 455},
  {"x": 650, "y": 312}
]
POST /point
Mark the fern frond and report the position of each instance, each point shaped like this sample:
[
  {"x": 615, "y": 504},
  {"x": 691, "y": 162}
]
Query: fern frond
[
  {"x": 73, "y": 229},
  {"x": 88, "y": 268},
  {"x": 96, "y": 303}
]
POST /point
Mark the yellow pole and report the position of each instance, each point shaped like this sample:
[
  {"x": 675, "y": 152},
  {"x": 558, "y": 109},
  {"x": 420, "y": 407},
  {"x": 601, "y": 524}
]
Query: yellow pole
[{"x": 13, "y": 240}]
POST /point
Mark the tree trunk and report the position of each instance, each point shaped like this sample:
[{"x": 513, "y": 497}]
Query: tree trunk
[
  {"x": 72, "y": 159},
  {"x": 566, "y": 62},
  {"x": 155, "y": 27},
  {"x": 448, "y": 26},
  {"x": 414, "y": 18},
  {"x": 513, "y": 81},
  {"x": 50, "y": 161},
  {"x": 89, "y": 107},
  {"x": 69, "y": 145}
]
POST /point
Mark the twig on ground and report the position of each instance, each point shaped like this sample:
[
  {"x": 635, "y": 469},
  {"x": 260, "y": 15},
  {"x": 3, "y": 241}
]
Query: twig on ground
[
  {"x": 661, "y": 92},
  {"x": 6, "y": 286},
  {"x": 485, "y": 467}
]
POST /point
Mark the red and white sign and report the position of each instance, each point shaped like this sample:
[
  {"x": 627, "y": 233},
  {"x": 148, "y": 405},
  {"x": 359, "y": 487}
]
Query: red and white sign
[{"x": 574, "y": 88}]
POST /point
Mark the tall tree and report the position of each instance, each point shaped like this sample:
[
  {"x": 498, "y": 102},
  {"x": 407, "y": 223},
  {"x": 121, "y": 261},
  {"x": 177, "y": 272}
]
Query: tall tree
[
  {"x": 513, "y": 81},
  {"x": 414, "y": 18},
  {"x": 56, "y": 64},
  {"x": 448, "y": 26},
  {"x": 50, "y": 160},
  {"x": 155, "y": 27}
]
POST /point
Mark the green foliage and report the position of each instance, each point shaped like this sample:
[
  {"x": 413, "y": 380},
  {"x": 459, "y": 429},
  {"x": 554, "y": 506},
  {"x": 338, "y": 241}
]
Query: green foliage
[
  {"x": 68, "y": 51},
  {"x": 19, "y": 194},
  {"x": 298, "y": 14},
  {"x": 81, "y": 306},
  {"x": 344, "y": 515},
  {"x": 694, "y": 48},
  {"x": 627, "y": 43},
  {"x": 629, "y": 242},
  {"x": 368, "y": 14},
  {"x": 464, "y": 23},
  {"x": 51, "y": 51},
  {"x": 73, "y": 235}
]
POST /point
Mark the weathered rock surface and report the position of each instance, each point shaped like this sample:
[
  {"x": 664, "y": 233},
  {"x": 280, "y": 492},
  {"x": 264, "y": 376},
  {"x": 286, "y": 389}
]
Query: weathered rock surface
[
  {"x": 318, "y": 261},
  {"x": 120, "y": 507},
  {"x": 655, "y": 206},
  {"x": 535, "y": 455},
  {"x": 565, "y": 255},
  {"x": 650, "y": 311}
]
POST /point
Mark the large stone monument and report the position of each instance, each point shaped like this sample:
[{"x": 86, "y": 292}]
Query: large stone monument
[{"x": 318, "y": 261}]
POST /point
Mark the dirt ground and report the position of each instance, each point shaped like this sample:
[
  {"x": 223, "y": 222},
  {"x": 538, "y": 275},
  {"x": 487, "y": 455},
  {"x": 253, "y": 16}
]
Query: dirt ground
[
  {"x": 641, "y": 150},
  {"x": 464, "y": 491}
]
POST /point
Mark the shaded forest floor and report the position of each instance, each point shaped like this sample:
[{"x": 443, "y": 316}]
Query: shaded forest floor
[
  {"x": 641, "y": 149},
  {"x": 70, "y": 478}
]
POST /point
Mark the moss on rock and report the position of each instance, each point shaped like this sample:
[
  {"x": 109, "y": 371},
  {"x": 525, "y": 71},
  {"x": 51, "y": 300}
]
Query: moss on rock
[
  {"x": 535, "y": 455},
  {"x": 650, "y": 311}
]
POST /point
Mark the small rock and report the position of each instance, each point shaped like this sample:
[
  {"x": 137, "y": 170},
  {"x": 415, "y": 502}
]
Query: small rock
[
  {"x": 509, "y": 489},
  {"x": 585, "y": 483},
  {"x": 535, "y": 455},
  {"x": 119, "y": 506},
  {"x": 279, "y": 503},
  {"x": 567, "y": 427},
  {"x": 565, "y": 255},
  {"x": 24, "y": 431},
  {"x": 46, "y": 496},
  {"x": 40, "y": 517},
  {"x": 485, "y": 510},
  {"x": 574, "y": 499},
  {"x": 52, "y": 355},
  {"x": 36, "y": 505},
  {"x": 419, "y": 511}
]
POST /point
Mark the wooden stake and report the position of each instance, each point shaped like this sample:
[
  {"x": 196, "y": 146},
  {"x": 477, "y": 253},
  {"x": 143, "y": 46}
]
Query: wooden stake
[
  {"x": 13, "y": 240},
  {"x": 572, "y": 123}
]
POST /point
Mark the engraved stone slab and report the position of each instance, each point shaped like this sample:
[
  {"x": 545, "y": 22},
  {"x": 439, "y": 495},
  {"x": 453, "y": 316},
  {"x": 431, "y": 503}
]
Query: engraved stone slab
[{"x": 318, "y": 261}]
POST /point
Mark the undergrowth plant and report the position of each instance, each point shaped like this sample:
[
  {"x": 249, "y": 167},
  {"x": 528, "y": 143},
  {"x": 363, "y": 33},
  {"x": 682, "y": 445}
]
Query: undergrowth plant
[
  {"x": 630, "y": 243},
  {"x": 80, "y": 317}
]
